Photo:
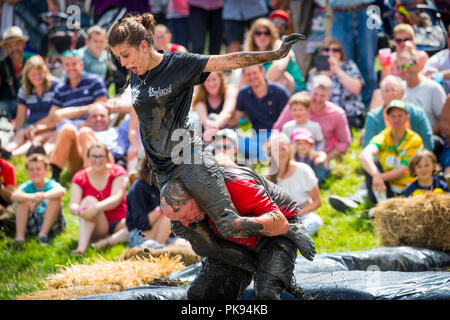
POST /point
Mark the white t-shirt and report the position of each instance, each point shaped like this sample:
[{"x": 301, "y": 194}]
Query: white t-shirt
[
  {"x": 429, "y": 95},
  {"x": 300, "y": 183},
  {"x": 312, "y": 126},
  {"x": 441, "y": 61}
]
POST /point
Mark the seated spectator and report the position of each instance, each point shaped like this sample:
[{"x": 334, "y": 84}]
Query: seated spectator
[
  {"x": 39, "y": 203},
  {"x": 144, "y": 217},
  {"x": 297, "y": 179},
  {"x": 11, "y": 68},
  {"x": 425, "y": 167},
  {"x": 33, "y": 105},
  {"x": 441, "y": 61},
  {"x": 330, "y": 117},
  {"x": 94, "y": 54},
  {"x": 163, "y": 38},
  {"x": 79, "y": 90},
  {"x": 226, "y": 142},
  {"x": 72, "y": 144},
  {"x": 263, "y": 101},
  {"x": 304, "y": 152},
  {"x": 8, "y": 184},
  {"x": 263, "y": 36},
  {"x": 214, "y": 96},
  {"x": 347, "y": 82},
  {"x": 394, "y": 148},
  {"x": 403, "y": 35},
  {"x": 280, "y": 19},
  {"x": 392, "y": 89},
  {"x": 98, "y": 197},
  {"x": 444, "y": 157},
  {"x": 419, "y": 90},
  {"x": 298, "y": 106}
]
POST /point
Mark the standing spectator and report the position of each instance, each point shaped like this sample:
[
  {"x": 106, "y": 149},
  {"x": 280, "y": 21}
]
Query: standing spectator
[
  {"x": 33, "y": 105},
  {"x": 237, "y": 17},
  {"x": 93, "y": 54},
  {"x": 263, "y": 101},
  {"x": 214, "y": 96},
  {"x": 163, "y": 39},
  {"x": 263, "y": 36},
  {"x": 421, "y": 91},
  {"x": 143, "y": 213},
  {"x": 297, "y": 180},
  {"x": 11, "y": 69},
  {"x": 394, "y": 148},
  {"x": 298, "y": 106},
  {"x": 357, "y": 32},
  {"x": 280, "y": 19},
  {"x": 347, "y": 82},
  {"x": 425, "y": 167},
  {"x": 177, "y": 17},
  {"x": 98, "y": 197},
  {"x": 441, "y": 61},
  {"x": 39, "y": 203},
  {"x": 206, "y": 17}
]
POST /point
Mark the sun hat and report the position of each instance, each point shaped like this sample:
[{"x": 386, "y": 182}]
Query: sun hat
[{"x": 13, "y": 33}]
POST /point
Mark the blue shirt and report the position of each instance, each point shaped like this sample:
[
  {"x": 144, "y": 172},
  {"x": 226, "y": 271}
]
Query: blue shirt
[
  {"x": 265, "y": 111},
  {"x": 417, "y": 119},
  {"x": 439, "y": 186},
  {"x": 141, "y": 199},
  {"x": 87, "y": 91},
  {"x": 348, "y": 3},
  {"x": 29, "y": 187},
  {"x": 37, "y": 107}
]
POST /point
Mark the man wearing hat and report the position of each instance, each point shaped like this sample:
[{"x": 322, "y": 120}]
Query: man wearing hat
[
  {"x": 13, "y": 42},
  {"x": 393, "y": 147}
]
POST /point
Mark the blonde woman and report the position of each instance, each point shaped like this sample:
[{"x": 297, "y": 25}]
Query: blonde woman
[
  {"x": 34, "y": 100},
  {"x": 263, "y": 36},
  {"x": 297, "y": 179},
  {"x": 214, "y": 97}
]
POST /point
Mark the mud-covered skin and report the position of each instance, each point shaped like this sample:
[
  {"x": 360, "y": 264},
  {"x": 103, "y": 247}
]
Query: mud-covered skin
[
  {"x": 247, "y": 58},
  {"x": 299, "y": 235},
  {"x": 205, "y": 244}
]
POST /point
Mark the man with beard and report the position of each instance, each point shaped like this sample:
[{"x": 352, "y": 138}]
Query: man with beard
[{"x": 11, "y": 69}]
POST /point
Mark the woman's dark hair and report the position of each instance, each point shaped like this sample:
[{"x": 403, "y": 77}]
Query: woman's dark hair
[
  {"x": 144, "y": 170},
  {"x": 133, "y": 30}
]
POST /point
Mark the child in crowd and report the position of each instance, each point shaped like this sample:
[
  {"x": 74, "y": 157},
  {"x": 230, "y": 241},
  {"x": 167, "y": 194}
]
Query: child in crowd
[
  {"x": 39, "y": 203},
  {"x": 304, "y": 152},
  {"x": 425, "y": 167},
  {"x": 298, "y": 106}
]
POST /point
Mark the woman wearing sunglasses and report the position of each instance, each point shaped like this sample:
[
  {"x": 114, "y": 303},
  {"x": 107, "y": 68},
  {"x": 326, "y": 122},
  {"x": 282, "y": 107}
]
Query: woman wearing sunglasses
[
  {"x": 263, "y": 36},
  {"x": 98, "y": 197},
  {"x": 347, "y": 82},
  {"x": 403, "y": 35}
]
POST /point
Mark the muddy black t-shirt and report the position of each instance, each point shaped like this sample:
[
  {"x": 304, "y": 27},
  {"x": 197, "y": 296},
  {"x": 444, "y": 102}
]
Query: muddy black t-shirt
[{"x": 162, "y": 99}]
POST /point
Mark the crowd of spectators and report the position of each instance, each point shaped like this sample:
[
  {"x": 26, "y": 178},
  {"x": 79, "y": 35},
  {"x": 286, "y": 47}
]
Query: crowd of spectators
[{"x": 304, "y": 111}]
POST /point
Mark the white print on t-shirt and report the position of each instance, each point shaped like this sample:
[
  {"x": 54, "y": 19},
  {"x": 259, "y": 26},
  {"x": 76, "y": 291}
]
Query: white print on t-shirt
[{"x": 152, "y": 92}]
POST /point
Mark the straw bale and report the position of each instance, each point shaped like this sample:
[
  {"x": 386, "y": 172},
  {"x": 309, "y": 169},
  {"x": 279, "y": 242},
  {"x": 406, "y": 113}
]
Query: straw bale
[
  {"x": 421, "y": 221},
  {"x": 102, "y": 276},
  {"x": 185, "y": 253}
]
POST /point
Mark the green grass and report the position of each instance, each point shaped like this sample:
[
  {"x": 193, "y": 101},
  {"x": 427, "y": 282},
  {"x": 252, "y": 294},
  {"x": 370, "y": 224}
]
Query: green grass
[{"x": 24, "y": 271}]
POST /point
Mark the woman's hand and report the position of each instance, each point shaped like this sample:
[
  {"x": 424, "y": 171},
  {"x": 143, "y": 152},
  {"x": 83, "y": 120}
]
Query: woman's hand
[{"x": 334, "y": 64}]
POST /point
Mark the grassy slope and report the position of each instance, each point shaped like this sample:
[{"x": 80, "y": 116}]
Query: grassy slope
[{"x": 23, "y": 271}]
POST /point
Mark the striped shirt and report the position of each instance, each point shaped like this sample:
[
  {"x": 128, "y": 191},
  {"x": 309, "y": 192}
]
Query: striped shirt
[
  {"x": 87, "y": 91},
  {"x": 37, "y": 107},
  {"x": 391, "y": 156}
]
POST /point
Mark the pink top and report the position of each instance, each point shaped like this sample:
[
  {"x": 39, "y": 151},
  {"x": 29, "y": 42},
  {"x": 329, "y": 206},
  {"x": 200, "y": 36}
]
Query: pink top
[
  {"x": 81, "y": 179},
  {"x": 332, "y": 121}
]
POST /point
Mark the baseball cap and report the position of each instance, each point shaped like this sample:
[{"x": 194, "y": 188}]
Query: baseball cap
[
  {"x": 396, "y": 104},
  {"x": 302, "y": 134},
  {"x": 279, "y": 14}
]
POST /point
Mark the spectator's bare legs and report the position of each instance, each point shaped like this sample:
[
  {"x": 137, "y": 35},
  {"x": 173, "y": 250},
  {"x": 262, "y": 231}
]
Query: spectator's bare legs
[
  {"x": 51, "y": 215},
  {"x": 120, "y": 235},
  {"x": 68, "y": 150},
  {"x": 96, "y": 228},
  {"x": 23, "y": 208},
  {"x": 160, "y": 230}
]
